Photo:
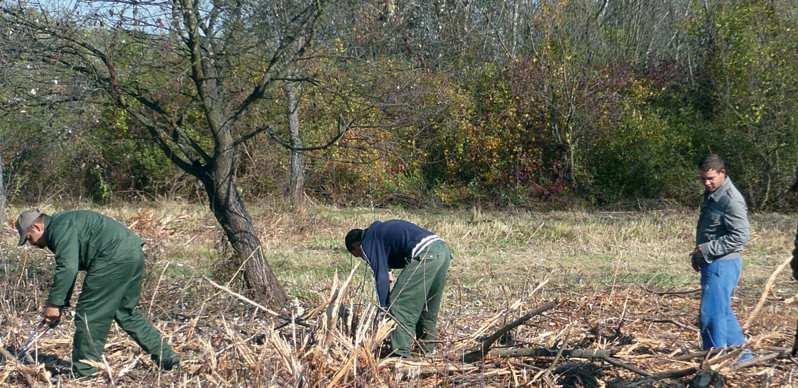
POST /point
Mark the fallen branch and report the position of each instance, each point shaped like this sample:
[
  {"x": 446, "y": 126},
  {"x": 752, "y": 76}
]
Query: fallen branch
[
  {"x": 21, "y": 368},
  {"x": 484, "y": 347},
  {"x": 243, "y": 298},
  {"x": 674, "y": 374},
  {"x": 698, "y": 354},
  {"x": 671, "y": 321},
  {"x": 619, "y": 363},
  {"x": 595, "y": 354},
  {"x": 650, "y": 380},
  {"x": 685, "y": 292},
  {"x": 547, "y": 352},
  {"x": 766, "y": 292},
  {"x": 722, "y": 357},
  {"x": 759, "y": 360}
]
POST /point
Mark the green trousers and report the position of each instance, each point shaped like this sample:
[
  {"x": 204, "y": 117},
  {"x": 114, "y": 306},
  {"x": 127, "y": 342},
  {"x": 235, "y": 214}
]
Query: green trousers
[
  {"x": 110, "y": 293},
  {"x": 416, "y": 299}
]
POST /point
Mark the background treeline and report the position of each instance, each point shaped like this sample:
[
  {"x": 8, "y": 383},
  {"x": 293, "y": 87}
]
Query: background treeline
[{"x": 451, "y": 102}]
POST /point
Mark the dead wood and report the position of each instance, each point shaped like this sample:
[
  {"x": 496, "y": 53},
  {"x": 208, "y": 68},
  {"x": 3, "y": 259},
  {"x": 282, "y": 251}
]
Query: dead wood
[
  {"x": 597, "y": 354},
  {"x": 547, "y": 352},
  {"x": 486, "y": 343},
  {"x": 671, "y": 321},
  {"x": 759, "y": 360},
  {"x": 24, "y": 371},
  {"x": 684, "y": 292},
  {"x": 765, "y": 292},
  {"x": 652, "y": 379},
  {"x": 625, "y": 365}
]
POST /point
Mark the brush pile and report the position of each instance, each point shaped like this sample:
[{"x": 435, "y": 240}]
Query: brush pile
[
  {"x": 336, "y": 343},
  {"x": 551, "y": 328}
]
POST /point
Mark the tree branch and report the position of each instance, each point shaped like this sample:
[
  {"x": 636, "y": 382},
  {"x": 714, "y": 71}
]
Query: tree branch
[
  {"x": 484, "y": 347},
  {"x": 342, "y": 130},
  {"x": 306, "y": 19}
]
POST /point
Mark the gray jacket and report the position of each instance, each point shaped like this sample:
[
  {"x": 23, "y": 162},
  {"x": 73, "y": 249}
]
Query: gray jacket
[
  {"x": 723, "y": 228},
  {"x": 794, "y": 262}
]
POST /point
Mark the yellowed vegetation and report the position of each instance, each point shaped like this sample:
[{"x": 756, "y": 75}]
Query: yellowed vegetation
[{"x": 618, "y": 279}]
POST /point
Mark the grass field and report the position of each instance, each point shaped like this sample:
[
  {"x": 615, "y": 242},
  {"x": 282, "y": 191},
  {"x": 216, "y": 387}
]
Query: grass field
[{"x": 617, "y": 278}]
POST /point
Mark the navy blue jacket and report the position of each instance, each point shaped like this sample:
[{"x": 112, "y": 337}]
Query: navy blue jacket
[{"x": 387, "y": 245}]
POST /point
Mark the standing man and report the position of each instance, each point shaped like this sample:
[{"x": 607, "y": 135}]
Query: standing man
[
  {"x": 794, "y": 261},
  {"x": 113, "y": 260},
  {"x": 794, "y": 264},
  {"x": 416, "y": 298},
  {"x": 720, "y": 236}
]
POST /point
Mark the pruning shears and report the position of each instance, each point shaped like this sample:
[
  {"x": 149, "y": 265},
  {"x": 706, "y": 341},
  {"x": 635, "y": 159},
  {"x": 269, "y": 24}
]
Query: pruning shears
[{"x": 37, "y": 332}]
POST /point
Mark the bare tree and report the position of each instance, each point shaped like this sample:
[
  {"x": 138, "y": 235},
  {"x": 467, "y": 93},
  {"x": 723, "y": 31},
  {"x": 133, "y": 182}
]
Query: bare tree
[{"x": 190, "y": 73}]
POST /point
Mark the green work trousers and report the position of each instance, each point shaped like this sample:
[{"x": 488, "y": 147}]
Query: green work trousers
[
  {"x": 110, "y": 292},
  {"x": 416, "y": 299}
]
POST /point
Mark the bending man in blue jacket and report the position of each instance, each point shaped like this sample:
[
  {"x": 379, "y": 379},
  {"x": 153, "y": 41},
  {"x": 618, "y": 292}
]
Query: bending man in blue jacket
[{"x": 416, "y": 298}]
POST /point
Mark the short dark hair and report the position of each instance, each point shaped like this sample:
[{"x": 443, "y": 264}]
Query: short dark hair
[
  {"x": 712, "y": 162},
  {"x": 355, "y": 236}
]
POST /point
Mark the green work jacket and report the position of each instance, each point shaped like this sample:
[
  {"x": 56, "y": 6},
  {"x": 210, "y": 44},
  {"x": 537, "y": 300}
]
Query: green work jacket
[{"x": 82, "y": 240}]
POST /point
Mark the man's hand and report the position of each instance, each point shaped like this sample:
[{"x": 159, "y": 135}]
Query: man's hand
[
  {"x": 52, "y": 315},
  {"x": 381, "y": 314},
  {"x": 697, "y": 258}
]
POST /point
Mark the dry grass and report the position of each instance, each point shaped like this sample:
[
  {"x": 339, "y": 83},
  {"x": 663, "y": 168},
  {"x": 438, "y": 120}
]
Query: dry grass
[{"x": 605, "y": 270}]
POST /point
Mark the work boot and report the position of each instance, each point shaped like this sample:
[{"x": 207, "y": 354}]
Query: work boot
[{"x": 170, "y": 363}]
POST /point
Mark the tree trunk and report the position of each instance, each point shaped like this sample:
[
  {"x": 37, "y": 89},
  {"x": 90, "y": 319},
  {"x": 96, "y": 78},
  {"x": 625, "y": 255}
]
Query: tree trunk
[
  {"x": 2, "y": 193},
  {"x": 514, "y": 47},
  {"x": 296, "y": 178},
  {"x": 232, "y": 215}
]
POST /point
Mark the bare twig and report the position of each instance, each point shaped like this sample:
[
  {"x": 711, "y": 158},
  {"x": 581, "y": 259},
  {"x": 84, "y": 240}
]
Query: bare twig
[
  {"x": 155, "y": 291},
  {"x": 243, "y": 298},
  {"x": 548, "y": 352},
  {"x": 760, "y": 360},
  {"x": 625, "y": 365},
  {"x": 650, "y": 380},
  {"x": 684, "y": 292},
  {"x": 671, "y": 321},
  {"x": 765, "y": 292},
  {"x": 484, "y": 347}
]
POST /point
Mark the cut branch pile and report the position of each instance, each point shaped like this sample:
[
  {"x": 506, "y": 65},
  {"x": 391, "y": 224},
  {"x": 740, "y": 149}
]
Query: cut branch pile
[{"x": 625, "y": 337}]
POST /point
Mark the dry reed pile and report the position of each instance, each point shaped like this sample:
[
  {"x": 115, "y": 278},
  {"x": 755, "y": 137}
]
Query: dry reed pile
[
  {"x": 613, "y": 338},
  {"x": 548, "y": 334}
]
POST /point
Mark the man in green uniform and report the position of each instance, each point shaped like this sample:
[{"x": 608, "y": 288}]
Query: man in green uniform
[
  {"x": 113, "y": 260},
  {"x": 794, "y": 261}
]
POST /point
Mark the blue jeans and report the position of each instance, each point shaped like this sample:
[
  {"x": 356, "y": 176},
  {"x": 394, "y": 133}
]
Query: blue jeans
[{"x": 719, "y": 326}]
